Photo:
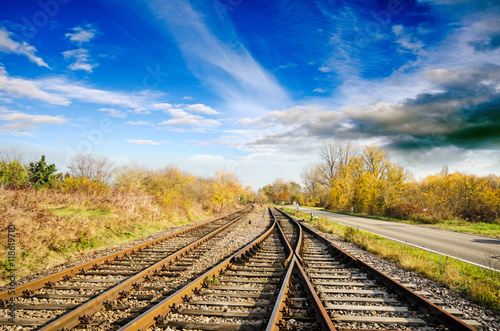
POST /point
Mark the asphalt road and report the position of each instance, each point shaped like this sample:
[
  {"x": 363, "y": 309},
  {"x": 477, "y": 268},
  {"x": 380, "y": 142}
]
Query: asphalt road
[{"x": 479, "y": 250}]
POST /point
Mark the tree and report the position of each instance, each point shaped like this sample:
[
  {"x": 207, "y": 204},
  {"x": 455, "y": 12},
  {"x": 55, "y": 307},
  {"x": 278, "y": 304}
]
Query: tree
[
  {"x": 41, "y": 173},
  {"x": 226, "y": 188},
  {"x": 334, "y": 157},
  {"x": 7, "y": 155},
  {"x": 261, "y": 197},
  {"x": 312, "y": 179},
  {"x": 96, "y": 168}
]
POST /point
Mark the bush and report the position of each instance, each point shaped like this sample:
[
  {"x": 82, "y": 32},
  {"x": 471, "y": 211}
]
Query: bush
[
  {"x": 478, "y": 212},
  {"x": 424, "y": 218},
  {"x": 13, "y": 174},
  {"x": 403, "y": 211},
  {"x": 84, "y": 185}
]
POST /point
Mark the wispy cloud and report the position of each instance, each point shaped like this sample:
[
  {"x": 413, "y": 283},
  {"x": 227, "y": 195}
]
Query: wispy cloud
[
  {"x": 228, "y": 67},
  {"x": 138, "y": 123},
  {"x": 8, "y": 45},
  {"x": 183, "y": 118},
  {"x": 59, "y": 90},
  {"x": 19, "y": 87},
  {"x": 143, "y": 142},
  {"x": 22, "y": 123},
  {"x": 113, "y": 112}
]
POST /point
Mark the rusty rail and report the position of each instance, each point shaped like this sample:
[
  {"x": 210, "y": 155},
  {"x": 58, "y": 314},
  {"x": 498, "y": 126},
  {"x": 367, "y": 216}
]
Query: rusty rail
[
  {"x": 438, "y": 314},
  {"x": 40, "y": 283},
  {"x": 295, "y": 266},
  {"x": 173, "y": 302},
  {"x": 89, "y": 308}
]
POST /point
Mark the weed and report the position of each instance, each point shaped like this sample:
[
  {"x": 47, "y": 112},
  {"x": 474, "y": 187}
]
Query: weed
[{"x": 212, "y": 280}]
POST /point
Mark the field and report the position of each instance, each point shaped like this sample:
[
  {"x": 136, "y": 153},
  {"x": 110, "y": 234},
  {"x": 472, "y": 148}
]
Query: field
[{"x": 52, "y": 226}]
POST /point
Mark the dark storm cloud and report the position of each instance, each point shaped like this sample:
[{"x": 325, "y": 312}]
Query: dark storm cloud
[{"x": 465, "y": 112}]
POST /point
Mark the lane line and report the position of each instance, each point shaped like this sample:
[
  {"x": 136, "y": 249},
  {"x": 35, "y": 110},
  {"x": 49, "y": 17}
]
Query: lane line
[{"x": 421, "y": 247}]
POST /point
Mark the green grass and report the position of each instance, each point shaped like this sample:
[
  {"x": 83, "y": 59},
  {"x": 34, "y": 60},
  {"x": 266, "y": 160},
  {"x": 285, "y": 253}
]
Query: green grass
[
  {"x": 491, "y": 230},
  {"x": 71, "y": 212},
  {"x": 476, "y": 283}
]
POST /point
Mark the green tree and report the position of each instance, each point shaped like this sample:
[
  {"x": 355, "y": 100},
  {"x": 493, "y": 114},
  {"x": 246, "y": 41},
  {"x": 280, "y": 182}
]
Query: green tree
[{"x": 41, "y": 173}]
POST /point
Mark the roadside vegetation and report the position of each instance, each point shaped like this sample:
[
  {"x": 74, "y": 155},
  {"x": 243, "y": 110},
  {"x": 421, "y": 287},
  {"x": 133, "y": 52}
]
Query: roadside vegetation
[
  {"x": 362, "y": 180},
  {"x": 97, "y": 205},
  {"x": 478, "y": 284}
]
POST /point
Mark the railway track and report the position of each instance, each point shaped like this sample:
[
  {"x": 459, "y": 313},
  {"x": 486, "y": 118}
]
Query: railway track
[
  {"x": 289, "y": 278},
  {"x": 248, "y": 291},
  {"x": 72, "y": 296},
  {"x": 359, "y": 297}
]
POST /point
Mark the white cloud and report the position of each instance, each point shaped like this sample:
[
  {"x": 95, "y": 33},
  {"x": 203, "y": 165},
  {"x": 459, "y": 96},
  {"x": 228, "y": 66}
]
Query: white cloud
[
  {"x": 325, "y": 69},
  {"x": 320, "y": 90},
  {"x": 162, "y": 106},
  {"x": 201, "y": 109},
  {"x": 113, "y": 112},
  {"x": 138, "y": 123},
  {"x": 58, "y": 90},
  {"x": 247, "y": 121},
  {"x": 80, "y": 35},
  {"x": 143, "y": 142},
  {"x": 78, "y": 91},
  {"x": 180, "y": 117},
  {"x": 19, "y": 87},
  {"x": 408, "y": 40},
  {"x": 82, "y": 59},
  {"x": 8, "y": 45},
  {"x": 187, "y": 97},
  {"x": 26, "y": 123}
]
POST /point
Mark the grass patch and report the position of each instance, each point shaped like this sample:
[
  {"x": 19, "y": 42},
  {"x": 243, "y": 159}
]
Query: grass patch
[
  {"x": 491, "y": 230},
  {"x": 478, "y": 284}
]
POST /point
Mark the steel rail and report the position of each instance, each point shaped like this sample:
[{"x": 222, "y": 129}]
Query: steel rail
[
  {"x": 295, "y": 266},
  {"x": 90, "y": 307},
  {"x": 300, "y": 240},
  {"x": 438, "y": 314},
  {"x": 40, "y": 283},
  {"x": 174, "y": 301}
]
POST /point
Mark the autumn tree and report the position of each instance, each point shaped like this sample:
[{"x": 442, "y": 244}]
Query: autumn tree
[
  {"x": 226, "y": 189},
  {"x": 334, "y": 157}
]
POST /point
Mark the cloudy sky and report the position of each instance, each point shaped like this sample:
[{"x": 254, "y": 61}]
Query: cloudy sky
[{"x": 253, "y": 87}]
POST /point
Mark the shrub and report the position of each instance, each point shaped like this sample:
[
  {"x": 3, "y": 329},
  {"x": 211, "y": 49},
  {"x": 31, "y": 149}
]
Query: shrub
[
  {"x": 13, "y": 174},
  {"x": 403, "y": 211},
  {"x": 84, "y": 185}
]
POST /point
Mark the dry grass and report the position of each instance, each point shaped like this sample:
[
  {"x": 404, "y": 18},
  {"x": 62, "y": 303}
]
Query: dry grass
[
  {"x": 478, "y": 284},
  {"x": 52, "y": 226}
]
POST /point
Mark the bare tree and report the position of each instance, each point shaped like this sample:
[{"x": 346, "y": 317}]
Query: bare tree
[
  {"x": 311, "y": 176},
  {"x": 9, "y": 154},
  {"x": 98, "y": 168},
  {"x": 334, "y": 157}
]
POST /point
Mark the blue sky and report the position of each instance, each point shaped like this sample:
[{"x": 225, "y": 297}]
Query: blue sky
[{"x": 253, "y": 87}]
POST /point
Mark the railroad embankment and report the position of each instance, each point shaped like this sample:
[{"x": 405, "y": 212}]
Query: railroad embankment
[{"x": 52, "y": 227}]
